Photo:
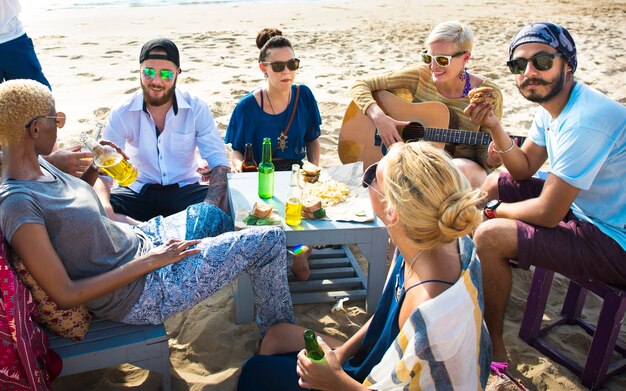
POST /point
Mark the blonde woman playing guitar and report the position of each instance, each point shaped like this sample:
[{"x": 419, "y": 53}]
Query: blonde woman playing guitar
[{"x": 441, "y": 78}]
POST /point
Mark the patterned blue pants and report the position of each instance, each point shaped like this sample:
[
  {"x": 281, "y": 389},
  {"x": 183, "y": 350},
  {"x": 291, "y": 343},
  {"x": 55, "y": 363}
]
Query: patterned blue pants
[{"x": 258, "y": 251}]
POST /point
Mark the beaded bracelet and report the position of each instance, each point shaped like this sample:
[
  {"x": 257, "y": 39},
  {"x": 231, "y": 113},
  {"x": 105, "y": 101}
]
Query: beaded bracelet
[{"x": 506, "y": 150}]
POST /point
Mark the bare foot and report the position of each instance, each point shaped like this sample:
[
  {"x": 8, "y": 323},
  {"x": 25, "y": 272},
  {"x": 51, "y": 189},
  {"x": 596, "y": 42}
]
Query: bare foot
[{"x": 300, "y": 267}]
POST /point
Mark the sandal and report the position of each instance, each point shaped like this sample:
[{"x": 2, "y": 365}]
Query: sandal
[{"x": 501, "y": 369}]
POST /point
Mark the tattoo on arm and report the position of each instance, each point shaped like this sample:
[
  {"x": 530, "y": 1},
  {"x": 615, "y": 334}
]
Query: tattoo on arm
[{"x": 217, "y": 185}]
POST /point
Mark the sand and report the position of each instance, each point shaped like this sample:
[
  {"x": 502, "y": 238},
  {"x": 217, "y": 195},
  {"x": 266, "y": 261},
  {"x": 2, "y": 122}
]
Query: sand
[{"x": 90, "y": 57}]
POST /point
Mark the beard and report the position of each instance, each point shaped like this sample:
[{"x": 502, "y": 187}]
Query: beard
[
  {"x": 557, "y": 86},
  {"x": 152, "y": 101}
]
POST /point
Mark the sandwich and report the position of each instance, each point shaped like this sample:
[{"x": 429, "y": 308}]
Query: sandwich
[
  {"x": 261, "y": 210},
  {"x": 262, "y": 214},
  {"x": 482, "y": 94},
  {"x": 310, "y": 172},
  {"x": 312, "y": 208}
]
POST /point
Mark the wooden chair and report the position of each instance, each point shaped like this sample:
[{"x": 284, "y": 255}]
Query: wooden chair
[
  {"x": 111, "y": 343},
  {"x": 598, "y": 365}
]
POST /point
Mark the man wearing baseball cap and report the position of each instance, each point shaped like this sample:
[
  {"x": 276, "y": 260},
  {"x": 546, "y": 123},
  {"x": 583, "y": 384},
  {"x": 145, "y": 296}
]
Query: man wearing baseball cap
[
  {"x": 159, "y": 128},
  {"x": 575, "y": 221}
]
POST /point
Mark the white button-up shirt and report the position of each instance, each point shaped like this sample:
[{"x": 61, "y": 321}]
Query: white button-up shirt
[
  {"x": 10, "y": 25},
  {"x": 169, "y": 157}
]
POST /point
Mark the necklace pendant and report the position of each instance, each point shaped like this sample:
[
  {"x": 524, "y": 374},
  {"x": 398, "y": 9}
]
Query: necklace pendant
[
  {"x": 398, "y": 290},
  {"x": 282, "y": 142},
  {"x": 398, "y": 293}
]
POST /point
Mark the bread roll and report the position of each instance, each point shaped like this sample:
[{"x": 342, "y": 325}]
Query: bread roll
[
  {"x": 311, "y": 204},
  {"x": 261, "y": 210},
  {"x": 310, "y": 172}
]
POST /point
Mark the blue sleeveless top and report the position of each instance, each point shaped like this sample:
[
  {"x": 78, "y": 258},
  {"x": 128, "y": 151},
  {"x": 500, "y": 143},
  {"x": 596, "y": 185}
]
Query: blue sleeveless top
[
  {"x": 382, "y": 331},
  {"x": 384, "y": 328}
]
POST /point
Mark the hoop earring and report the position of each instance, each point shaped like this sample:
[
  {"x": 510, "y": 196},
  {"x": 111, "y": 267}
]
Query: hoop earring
[{"x": 463, "y": 74}]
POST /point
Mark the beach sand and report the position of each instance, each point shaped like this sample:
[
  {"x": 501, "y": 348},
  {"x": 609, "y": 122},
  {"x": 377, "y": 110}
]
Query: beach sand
[{"x": 90, "y": 57}]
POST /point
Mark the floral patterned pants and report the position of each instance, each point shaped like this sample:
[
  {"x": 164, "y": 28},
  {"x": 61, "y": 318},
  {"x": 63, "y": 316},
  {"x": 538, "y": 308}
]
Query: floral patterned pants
[{"x": 258, "y": 251}]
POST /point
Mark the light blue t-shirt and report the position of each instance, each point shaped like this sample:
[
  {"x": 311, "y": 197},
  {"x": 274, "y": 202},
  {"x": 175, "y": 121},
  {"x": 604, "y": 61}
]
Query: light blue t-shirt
[{"x": 586, "y": 147}]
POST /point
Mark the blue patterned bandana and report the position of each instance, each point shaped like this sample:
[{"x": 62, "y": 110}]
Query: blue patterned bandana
[{"x": 549, "y": 34}]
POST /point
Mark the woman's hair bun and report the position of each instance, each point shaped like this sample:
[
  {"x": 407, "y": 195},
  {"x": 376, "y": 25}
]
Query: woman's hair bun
[{"x": 264, "y": 35}]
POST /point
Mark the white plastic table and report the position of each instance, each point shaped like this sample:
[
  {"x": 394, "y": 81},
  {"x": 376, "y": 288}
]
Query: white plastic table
[{"x": 371, "y": 238}]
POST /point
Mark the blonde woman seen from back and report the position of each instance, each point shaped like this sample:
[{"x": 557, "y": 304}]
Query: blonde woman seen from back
[{"x": 429, "y": 318}]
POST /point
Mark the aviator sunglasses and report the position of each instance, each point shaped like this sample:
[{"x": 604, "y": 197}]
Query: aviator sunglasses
[
  {"x": 541, "y": 62},
  {"x": 441, "y": 60},
  {"x": 59, "y": 119},
  {"x": 279, "y": 66},
  {"x": 164, "y": 74}
]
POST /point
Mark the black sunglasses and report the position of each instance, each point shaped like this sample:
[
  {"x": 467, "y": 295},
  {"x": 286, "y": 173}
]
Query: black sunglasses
[
  {"x": 541, "y": 62},
  {"x": 279, "y": 66},
  {"x": 369, "y": 176}
]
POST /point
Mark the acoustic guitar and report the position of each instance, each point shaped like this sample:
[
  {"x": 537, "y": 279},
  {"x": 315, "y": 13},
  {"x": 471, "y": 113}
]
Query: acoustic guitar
[{"x": 359, "y": 139}]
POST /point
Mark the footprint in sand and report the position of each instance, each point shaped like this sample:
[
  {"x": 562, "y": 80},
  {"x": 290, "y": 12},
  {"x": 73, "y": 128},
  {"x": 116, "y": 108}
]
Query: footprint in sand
[{"x": 101, "y": 112}]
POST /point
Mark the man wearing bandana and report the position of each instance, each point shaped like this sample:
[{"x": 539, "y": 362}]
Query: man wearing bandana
[
  {"x": 574, "y": 221},
  {"x": 159, "y": 128}
]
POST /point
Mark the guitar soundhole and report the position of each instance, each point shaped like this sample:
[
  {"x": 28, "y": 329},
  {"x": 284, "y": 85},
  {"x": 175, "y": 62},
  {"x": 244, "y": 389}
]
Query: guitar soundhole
[{"x": 412, "y": 132}]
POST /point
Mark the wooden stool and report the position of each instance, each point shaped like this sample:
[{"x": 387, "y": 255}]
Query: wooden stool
[{"x": 598, "y": 366}]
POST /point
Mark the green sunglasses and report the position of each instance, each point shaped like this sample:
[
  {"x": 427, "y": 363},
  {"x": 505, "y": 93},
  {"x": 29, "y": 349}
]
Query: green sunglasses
[
  {"x": 541, "y": 62},
  {"x": 164, "y": 74}
]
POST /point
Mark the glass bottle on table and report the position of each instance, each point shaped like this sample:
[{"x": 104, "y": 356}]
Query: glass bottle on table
[
  {"x": 293, "y": 205},
  {"x": 110, "y": 161},
  {"x": 248, "y": 164},
  {"x": 266, "y": 171}
]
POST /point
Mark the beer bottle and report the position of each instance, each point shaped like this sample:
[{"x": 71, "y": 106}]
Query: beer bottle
[
  {"x": 293, "y": 206},
  {"x": 266, "y": 171},
  {"x": 313, "y": 350},
  {"x": 110, "y": 161},
  {"x": 248, "y": 164}
]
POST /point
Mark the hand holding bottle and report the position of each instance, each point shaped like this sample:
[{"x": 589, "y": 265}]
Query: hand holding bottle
[
  {"x": 111, "y": 159},
  {"x": 321, "y": 375}
]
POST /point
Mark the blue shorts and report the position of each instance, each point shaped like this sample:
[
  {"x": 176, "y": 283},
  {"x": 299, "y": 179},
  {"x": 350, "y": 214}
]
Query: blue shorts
[
  {"x": 574, "y": 246},
  {"x": 18, "y": 60}
]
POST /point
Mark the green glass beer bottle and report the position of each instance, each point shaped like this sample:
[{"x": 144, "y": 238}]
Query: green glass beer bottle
[
  {"x": 266, "y": 171},
  {"x": 313, "y": 350}
]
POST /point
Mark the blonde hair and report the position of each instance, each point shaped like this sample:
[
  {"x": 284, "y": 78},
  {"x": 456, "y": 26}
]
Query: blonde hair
[
  {"x": 459, "y": 34},
  {"x": 434, "y": 201},
  {"x": 21, "y": 101}
]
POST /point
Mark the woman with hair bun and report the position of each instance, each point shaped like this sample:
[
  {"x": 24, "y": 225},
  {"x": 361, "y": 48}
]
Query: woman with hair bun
[
  {"x": 281, "y": 110},
  {"x": 267, "y": 111},
  {"x": 428, "y": 328}
]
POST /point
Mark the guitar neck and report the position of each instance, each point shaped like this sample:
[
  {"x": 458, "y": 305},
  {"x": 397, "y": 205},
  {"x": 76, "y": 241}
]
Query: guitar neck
[{"x": 454, "y": 136}]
